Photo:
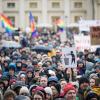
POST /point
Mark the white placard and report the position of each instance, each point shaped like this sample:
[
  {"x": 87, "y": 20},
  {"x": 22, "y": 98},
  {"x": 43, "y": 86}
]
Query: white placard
[
  {"x": 84, "y": 25},
  {"x": 69, "y": 58},
  {"x": 82, "y": 42}
]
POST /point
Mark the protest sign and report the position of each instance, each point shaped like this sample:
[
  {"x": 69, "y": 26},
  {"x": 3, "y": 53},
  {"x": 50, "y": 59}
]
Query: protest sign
[{"x": 69, "y": 58}]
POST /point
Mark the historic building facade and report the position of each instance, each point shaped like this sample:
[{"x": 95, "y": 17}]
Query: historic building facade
[{"x": 46, "y": 11}]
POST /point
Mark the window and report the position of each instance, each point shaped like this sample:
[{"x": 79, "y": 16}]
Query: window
[
  {"x": 55, "y": 4},
  {"x": 12, "y": 18},
  {"x": 76, "y": 18},
  {"x": 33, "y": 5},
  {"x": 11, "y": 5},
  {"x": 78, "y": 4}
]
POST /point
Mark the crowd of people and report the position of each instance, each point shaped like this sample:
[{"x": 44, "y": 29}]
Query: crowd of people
[{"x": 26, "y": 74}]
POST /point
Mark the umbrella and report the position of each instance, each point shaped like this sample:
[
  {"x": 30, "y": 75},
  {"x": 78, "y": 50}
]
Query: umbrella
[
  {"x": 41, "y": 48},
  {"x": 10, "y": 44}
]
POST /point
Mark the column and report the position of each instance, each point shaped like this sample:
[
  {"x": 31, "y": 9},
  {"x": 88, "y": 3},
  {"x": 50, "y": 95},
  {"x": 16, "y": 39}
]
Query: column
[
  {"x": 1, "y": 2},
  {"x": 96, "y": 10},
  {"x": 44, "y": 11},
  {"x": 67, "y": 11},
  {"x": 63, "y": 36},
  {"x": 22, "y": 14},
  {"x": 89, "y": 8},
  {"x": 1, "y": 11}
]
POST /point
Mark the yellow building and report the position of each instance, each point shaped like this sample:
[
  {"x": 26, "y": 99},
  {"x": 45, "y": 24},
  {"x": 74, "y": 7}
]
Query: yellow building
[{"x": 46, "y": 11}]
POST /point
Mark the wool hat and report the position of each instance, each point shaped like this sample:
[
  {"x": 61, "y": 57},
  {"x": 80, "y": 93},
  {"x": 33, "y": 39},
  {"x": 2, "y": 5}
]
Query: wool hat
[
  {"x": 22, "y": 75},
  {"x": 12, "y": 66},
  {"x": 32, "y": 88},
  {"x": 51, "y": 72},
  {"x": 22, "y": 97},
  {"x": 53, "y": 79},
  {"x": 68, "y": 86},
  {"x": 30, "y": 70},
  {"x": 83, "y": 80},
  {"x": 24, "y": 89},
  {"x": 39, "y": 88},
  {"x": 48, "y": 90}
]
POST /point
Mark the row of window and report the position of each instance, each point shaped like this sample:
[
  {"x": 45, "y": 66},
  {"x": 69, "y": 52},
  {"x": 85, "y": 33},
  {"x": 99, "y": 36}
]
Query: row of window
[
  {"x": 54, "y": 18},
  {"x": 54, "y": 5}
]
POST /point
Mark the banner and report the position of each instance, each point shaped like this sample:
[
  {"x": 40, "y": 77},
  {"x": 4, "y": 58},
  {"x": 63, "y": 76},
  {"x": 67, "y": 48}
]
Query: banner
[
  {"x": 69, "y": 58},
  {"x": 82, "y": 42},
  {"x": 95, "y": 35}
]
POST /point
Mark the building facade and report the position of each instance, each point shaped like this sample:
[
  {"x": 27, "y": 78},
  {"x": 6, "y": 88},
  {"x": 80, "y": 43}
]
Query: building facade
[{"x": 46, "y": 11}]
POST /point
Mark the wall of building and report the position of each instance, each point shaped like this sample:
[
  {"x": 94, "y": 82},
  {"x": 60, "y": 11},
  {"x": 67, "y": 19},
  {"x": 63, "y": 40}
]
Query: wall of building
[{"x": 45, "y": 11}]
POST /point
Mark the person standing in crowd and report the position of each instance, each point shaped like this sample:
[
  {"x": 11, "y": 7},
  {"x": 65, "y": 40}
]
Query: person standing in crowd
[
  {"x": 80, "y": 68},
  {"x": 49, "y": 93},
  {"x": 83, "y": 86},
  {"x": 9, "y": 95},
  {"x": 62, "y": 83},
  {"x": 43, "y": 81},
  {"x": 29, "y": 76},
  {"x": 38, "y": 95},
  {"x": 92, "y": 96},
  {"x": 92, "y": 82},
  {"x": 56, "y": 89},
  {"x": 69, "y": 92},
  {"x": 12, "y": 70}
]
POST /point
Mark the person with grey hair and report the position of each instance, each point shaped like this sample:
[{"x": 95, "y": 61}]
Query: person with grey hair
[{"x": 22, "y": 97}]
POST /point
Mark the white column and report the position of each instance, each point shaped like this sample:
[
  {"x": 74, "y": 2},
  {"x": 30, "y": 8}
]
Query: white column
[
  {"x": 67, "y": 11},
  {"x": 44, "y": 11},
  {"x": 96, "y": 10},
  {"x": 89, "y": 9},
  {"x": 1, "y": 10},
  {"x": 22, "y": 14}
]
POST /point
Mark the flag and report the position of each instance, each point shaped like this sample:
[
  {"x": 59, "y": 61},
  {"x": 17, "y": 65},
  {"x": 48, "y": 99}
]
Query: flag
[
  {"x": 60, "y": 24},
  {"x": 32, "y": 26},
  {"x": 7, "y": 24}
]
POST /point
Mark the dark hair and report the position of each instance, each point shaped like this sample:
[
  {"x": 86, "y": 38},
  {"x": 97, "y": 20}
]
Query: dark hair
[
  {"x": 92, "y": 95},
  {"x": 83, "y": 80}
]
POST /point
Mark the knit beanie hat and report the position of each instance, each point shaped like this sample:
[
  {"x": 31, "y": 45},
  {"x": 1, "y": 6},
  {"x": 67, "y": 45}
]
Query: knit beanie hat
[
  {"x": 12, "y": 66},
  {"x": 22, "y": 97},
  {"x": 48, "y": 90},
  {"x": 83, "y": 80},
  {"x": 68, "y": 86},
  {"x": 24, "y": 89},
  {"x": 52, "y": 79},
  {"x": 39, "y": 88}
]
